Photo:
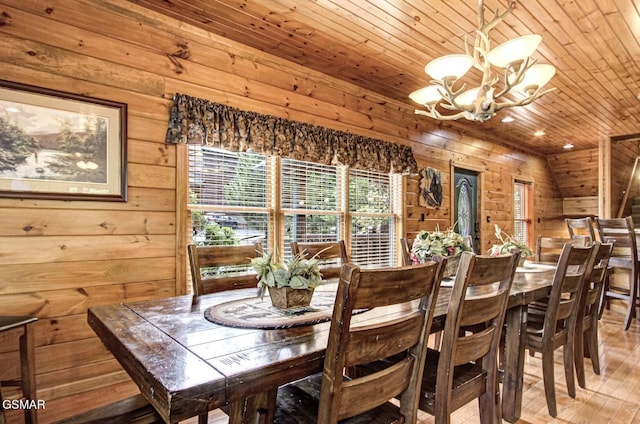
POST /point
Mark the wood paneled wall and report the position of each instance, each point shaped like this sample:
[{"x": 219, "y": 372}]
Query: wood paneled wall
[
  {"x": 59, "y": 258},
  {"x": 623, "y": 156}
]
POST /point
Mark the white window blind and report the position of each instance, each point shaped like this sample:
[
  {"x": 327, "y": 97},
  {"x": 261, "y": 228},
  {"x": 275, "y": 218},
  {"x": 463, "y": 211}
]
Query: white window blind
[
  {"x": 233, "y": 200},
  {"x": 521, "y": 218},
  {"x": 309, "y": 196},
  {"x": 228, "y": 196},
  {"x": 370, "y": 209}
]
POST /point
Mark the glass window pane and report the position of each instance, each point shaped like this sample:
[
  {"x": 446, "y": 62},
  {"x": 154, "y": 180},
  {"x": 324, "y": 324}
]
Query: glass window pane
[
  {"x": 309, "y": 186},
  {"x": 218, "y": 177}
]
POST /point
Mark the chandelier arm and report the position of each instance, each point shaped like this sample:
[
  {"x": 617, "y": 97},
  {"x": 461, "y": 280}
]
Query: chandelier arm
[
  {"x": 527, "y": 100},
  {"x": 450, "y": 96},
  {"x": 435, "y": 114},
  {"x": 528, "y": 63},
  {"x": 497, "y": 17}
]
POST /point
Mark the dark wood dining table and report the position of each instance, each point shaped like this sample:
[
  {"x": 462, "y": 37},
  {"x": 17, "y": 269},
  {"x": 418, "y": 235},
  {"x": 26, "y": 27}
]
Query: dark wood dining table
[{"x": 186, "y": 365}]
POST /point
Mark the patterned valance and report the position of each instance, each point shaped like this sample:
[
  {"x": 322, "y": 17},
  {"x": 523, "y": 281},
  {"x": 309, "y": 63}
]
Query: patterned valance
[{"x": 200, "y": 121}]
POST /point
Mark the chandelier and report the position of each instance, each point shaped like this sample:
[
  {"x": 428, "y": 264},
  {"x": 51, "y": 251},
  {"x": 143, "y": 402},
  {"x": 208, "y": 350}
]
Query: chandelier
[{"x": 522, "y": 77}]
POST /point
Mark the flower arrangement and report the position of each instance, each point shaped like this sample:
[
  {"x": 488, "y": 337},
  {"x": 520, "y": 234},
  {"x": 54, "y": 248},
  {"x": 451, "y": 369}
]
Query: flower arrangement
[
  {"x": 296, "y": 272},
  {"x": 507, "y": 243},
  {"x": 442, "y": 243}
]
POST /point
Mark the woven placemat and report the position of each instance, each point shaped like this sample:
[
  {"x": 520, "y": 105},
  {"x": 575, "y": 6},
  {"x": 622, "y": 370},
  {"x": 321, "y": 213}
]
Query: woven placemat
[{"x": 255, "y": 312}]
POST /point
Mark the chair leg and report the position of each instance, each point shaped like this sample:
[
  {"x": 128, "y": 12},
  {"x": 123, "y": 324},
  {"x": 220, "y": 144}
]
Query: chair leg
[
  {"x": 578, "y": 356},
  {"x": 592, "y": 343},
  {"x": 603, "y": 294},
  {"x": 631, "y": 310},
  {"x": 549, "y": 382},
  {"x": 203, "y": 418},
  {"x": 567, "y": 352},
  {"x": 489, "y": 405}
]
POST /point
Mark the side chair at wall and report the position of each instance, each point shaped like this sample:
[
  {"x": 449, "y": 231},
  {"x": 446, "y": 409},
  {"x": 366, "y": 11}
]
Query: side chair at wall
[
  {"x": 588, "y": 314},
  {"x": 405, "y": 249},
  {"x": 332, "y": 255},
  {"x": 398, "y": 339},
  {"x": 620, "y": 232},
  {"x": 549, "y": 249},
  {"x": 581, "y": 228},
  {"x": 467, "y": 362},
  {"x": 551, "y": 322},
  {"x": 212, "y": 267}
]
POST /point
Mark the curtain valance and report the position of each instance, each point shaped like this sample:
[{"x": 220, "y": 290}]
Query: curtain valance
[{"x": 199, "y": 121}]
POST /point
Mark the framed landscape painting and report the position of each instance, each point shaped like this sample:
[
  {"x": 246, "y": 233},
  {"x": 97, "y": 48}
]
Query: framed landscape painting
[{"x": 62, "y": 146}]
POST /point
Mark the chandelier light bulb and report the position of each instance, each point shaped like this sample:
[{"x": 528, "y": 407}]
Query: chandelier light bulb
[
  {"x": 535, "y": 78},
  {"x": 453, "y": 65},
  {"x": 514, "y": 51},
  {"x": 426, "y": 95}
]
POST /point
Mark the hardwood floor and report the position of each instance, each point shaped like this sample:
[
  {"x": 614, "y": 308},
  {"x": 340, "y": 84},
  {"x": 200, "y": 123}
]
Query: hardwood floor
[{"x": 611, "y": 397}]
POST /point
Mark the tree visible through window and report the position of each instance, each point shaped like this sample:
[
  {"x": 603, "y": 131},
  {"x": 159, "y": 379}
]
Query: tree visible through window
[{"x": 234, "y": 200}]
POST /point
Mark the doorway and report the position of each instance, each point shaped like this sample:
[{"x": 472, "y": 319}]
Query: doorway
[{"x": 465, "y": 205}]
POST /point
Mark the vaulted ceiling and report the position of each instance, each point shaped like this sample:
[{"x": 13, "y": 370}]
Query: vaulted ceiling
[{"x": 383, "y": 46}]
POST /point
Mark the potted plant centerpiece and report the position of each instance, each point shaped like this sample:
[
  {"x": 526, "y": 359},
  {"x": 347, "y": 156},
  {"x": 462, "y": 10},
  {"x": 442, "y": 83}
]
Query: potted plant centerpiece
[
  {"x": 290, "y": 283},
  {"x": 507, "y": 243},
  {"x": 448, "y": 243}
]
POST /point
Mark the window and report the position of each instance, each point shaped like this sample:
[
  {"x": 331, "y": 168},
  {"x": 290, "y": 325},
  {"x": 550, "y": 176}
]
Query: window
[
  {"x": 234, "y": 200},
  {"x": 522, "y": 211}
]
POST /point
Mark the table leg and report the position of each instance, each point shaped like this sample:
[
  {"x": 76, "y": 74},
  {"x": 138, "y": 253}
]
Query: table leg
[
  {"x": 257, "y": 409},
  {"x": 516, "y": 323}
]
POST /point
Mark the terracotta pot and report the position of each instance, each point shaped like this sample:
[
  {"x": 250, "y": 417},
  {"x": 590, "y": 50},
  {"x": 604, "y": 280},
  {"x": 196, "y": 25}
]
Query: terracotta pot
[{"x": 287, "y": 297}]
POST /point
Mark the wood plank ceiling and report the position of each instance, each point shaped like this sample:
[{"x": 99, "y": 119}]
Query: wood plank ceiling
[{"x": 383, "y": 46}]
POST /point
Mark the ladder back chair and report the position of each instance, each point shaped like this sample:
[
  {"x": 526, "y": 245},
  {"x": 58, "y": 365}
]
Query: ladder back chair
[
  {"x": 405, "y": 248},
  {"x": 620, "y": 232},
  {"x": 27, "y": 378},
  {"x": 581, "y": 228},
  {"x": 331, "y": 255},
  {"x": 548, "y": 249},
  {"x": 398, "y": 338},
  {"x": 588, "y": 314},
  {"x": 220, "y": 268},
  {"x": 465, "y": 367},
  {"x": 551, "y": 322}
]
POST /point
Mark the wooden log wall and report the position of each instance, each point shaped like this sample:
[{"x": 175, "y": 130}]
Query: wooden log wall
[{"x": 57, "y": 258}]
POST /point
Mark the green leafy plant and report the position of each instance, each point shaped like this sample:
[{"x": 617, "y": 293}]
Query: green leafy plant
[
  {"x": 441, "y": 243},
  {"x": 296, "y": 272},
  {"x": 508, "y": 242}
]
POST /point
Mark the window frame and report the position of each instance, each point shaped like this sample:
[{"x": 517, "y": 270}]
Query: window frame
[
  {"x": 276, "y": 213},
  {"x": 527, "y": 208}
]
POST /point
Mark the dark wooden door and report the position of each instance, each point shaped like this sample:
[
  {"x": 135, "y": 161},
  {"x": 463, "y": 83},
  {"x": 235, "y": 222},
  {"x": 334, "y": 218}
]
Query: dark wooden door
[{"x": 465, "y": 204}]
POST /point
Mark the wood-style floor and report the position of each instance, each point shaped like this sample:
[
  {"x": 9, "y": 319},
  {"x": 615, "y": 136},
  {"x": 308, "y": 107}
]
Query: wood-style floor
[{"x": 611, "y": 397}]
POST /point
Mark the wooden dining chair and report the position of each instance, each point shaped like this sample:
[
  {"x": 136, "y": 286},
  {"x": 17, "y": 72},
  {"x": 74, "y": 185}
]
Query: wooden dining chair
[
  {"x": 551, "y": 322},
  {"x": 548, "y": 249},
  {"x": 405, "y": 249},
  {"x": 588, "y": 314},
  {"x": 220, "y": 268},
  {"x": 581, "y": 228},
  {"x": 467, "y": 366},
  {"x": 27, "y": 379},
  {"x": 398, "y": 339},
  {"x": 620, "y": 232},
  {"x": 331, "y": 255}
]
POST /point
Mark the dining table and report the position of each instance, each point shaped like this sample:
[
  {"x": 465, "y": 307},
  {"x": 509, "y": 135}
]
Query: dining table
[{"x": 229, "y": 351}]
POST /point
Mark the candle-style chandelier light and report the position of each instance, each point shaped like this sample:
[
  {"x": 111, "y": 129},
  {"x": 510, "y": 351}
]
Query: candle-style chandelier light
[{"x": 522, "y": 77}]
